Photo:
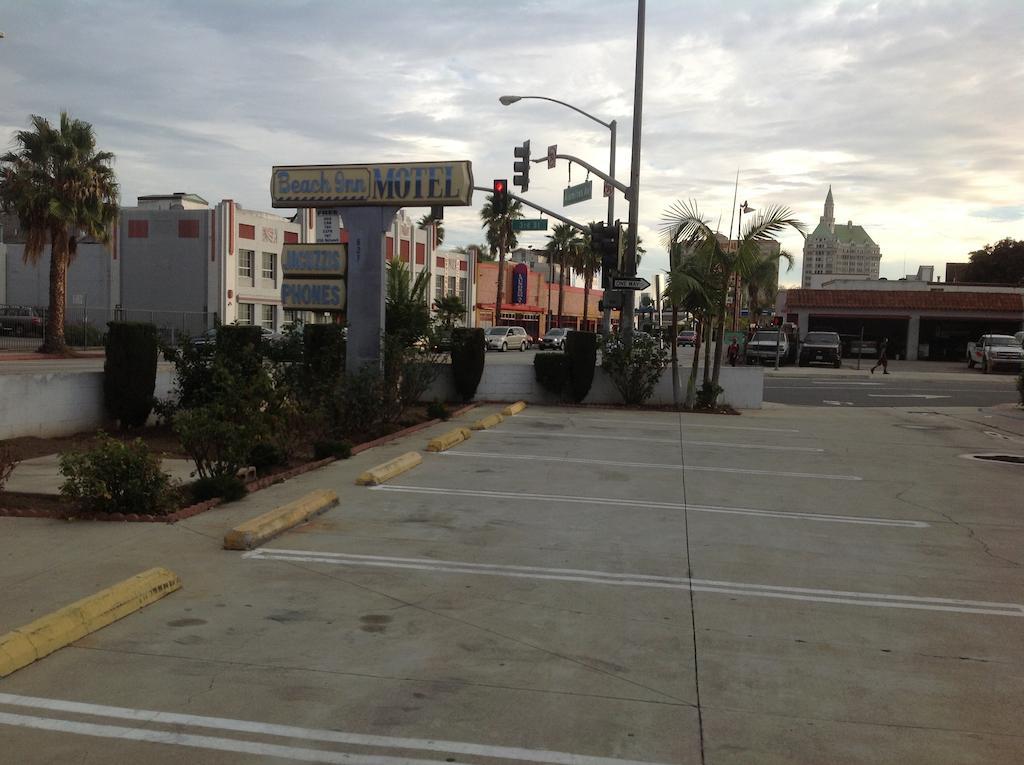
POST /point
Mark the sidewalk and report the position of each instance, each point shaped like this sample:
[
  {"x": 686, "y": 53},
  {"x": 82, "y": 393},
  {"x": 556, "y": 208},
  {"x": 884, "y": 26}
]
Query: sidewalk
[
  {"x": 41, "y": 475},
  {"x": 931, "y": 370}
]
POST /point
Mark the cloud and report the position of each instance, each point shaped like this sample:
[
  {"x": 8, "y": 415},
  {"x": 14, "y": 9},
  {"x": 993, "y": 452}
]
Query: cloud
[{"x": 1004, "y": 214}]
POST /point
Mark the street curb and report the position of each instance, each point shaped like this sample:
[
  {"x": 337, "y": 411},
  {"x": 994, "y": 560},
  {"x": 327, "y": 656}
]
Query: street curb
[
  {"x": 488, "y": 422},
  {"x": 27, "y": 644},
  {"x": 448, "y": 440},
  {"x": 258, "y": 530},
  {"x": 515, "y": 408},
  {"x": 389, "y": 469}
]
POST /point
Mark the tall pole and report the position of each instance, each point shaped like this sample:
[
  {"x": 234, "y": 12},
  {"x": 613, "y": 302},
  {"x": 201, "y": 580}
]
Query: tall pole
[
  {"x": 736, "y": 277},
  {"x": 629, "y": 297},
  {"x": 606, "y": 319}
]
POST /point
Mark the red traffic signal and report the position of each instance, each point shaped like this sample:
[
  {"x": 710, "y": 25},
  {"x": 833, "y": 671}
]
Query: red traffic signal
[
  {"x": 500, "y": 187},
  {"x": 499, "y": 200}
]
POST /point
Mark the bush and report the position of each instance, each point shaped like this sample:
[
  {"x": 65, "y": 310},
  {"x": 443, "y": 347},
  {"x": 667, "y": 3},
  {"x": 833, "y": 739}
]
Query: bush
[
  {"x": 467, "y": 360},
  {"x": 265, "y": 455},
  {"x": 341, "y": 450},
  {"x": 117, "y": 477},
  {"x": 227, "y": 487},
  {"x": 193, "y": 378},
  {"x": 7, "y": 464},
  {"x": 408, "y": 374},
  {"x": 324, "y": 349},
  {"x": 634, "y": 374},
  {"x": 129, "y": 372},
  {"x": 83, "y": 335},
  {"x": 581, "y": 361},
  {"x": 436, "y": 410},
  {"x": 708, "y": 395},
  {"x": 240, "y": 346},
  {"x": 552, "y": 372},
  {"x": 355, "y": 404}
]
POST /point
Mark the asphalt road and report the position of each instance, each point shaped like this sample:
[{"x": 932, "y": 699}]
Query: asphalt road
[{"x": 890, "y": 390}]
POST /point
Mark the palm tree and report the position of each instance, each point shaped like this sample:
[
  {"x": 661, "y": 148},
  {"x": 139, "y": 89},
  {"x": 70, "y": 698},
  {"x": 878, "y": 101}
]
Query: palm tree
[
  {"x": 684, "y": 288},
  {"x": 587, "y": 264},
  {"x": 563, "y": 246},
  {"x": 500, "y": 238},
  {"x": 427, "y": 222},
  {"x": 450, "y": 309},
  {"x": 762, "y": 283},
  {"x": 684, "y": 224},
  {"x": 61, "y": 188}
]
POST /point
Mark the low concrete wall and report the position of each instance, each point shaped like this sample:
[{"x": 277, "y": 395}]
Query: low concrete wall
[
  {"x": 744, "y": 387},
  {"x": 58, "y": 403}
]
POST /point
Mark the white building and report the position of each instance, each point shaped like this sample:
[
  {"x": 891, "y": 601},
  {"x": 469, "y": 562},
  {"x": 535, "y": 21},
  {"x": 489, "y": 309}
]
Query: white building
[{"x": 833, "y": 249}]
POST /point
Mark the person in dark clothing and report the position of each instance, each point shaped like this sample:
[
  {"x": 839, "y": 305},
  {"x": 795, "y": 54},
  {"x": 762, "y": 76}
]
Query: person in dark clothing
[
  {"x": 733, "y": 352},
  {"x": 883, "y": 357}
]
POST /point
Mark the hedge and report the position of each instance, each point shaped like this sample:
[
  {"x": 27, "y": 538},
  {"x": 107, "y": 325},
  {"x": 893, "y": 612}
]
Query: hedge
[
  {"x": 468, "y": 353},
  {"x": 581, "y": 360},
  {"x": 552, "y": 372},
  {"x": 129, "y": 372}
]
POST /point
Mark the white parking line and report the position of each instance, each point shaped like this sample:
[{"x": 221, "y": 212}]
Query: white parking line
[
  {"x": 545, "y": 434},
  {"x": 616, "y": 420},
  {"x": 149, "y": 717},
  {"x": 869, "y": 599},
  {"x": 655, "y": 465},
  {"x": 647, "y": 505}
]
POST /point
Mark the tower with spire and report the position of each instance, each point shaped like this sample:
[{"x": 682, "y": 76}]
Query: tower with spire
[{"x": 838, "y": 251}]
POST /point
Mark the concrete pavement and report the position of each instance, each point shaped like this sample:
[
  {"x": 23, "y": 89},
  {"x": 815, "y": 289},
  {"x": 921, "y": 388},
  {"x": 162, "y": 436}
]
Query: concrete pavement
[{"x": 799, "y": 585}]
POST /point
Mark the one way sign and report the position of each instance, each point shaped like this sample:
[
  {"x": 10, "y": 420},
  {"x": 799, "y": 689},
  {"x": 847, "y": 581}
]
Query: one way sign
[{"x": 629, "y": 283}]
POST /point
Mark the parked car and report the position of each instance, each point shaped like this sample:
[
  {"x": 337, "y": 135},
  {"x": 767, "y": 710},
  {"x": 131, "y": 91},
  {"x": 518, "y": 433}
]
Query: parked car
[
  {"x": 209, "y": 337},
  {"x": 995, "y": 352},
  {"x": 821, "y": 347},
  {"x": 21, "y": 320},
  {"x": 1019, "y": 337},
  {"x": 503, "y": 338},
  {"x": 686, "y": 337},
  {"x": 771, "y": 341},
  {"x": 554, "y": 338}
]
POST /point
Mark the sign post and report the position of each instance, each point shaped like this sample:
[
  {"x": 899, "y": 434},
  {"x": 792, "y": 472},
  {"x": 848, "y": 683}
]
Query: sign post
[
  {"x": 579, "y": 193},
  {"x": 633, "y": 283},
  {"x": 370, "y": 196}
]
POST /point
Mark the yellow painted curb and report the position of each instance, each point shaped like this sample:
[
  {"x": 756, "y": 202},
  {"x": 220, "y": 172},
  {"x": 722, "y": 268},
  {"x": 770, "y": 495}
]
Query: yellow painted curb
[
  {"x": 24, "y": 645},
  {"x": 488, "y": 422},
  {"x": 515, "y": 408},
  {"x": 389, "y": 469},
  {"x": 258, "y": 530},
  {"x": 448, "y": 440}
]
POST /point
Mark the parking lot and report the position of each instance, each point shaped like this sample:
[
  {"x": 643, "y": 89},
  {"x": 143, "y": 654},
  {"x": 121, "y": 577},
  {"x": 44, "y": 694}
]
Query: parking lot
[{"x": 577, "y": 587}]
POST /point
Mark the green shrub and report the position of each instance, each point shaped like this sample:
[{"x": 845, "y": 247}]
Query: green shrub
[
  {"x": 240, "y": 346},
  {"x": 83, "y": 335},
  {"x": 468, "y": 353},
  {"x": 408, "y": 374},
  {"x": 265, "y": 455},
  {"x": 341, "y": 450},
  {"x": 324, "y": 349},
  {"x": 193, "y": 378},
  {"x": 129, "y": 372},
  {"x": 552, "y": 372},
  {"x": 7, "y": 464},
  {"x": 116, "y": 477},
  {"x": 634, "y": 374},
  {"x": 227, "y": 487},
  {"x": 356, "y": 404},
  {"x": 581, "y": 361},
  {"x": 436, "y": 410},
  {"x": 708, "y": 395}
]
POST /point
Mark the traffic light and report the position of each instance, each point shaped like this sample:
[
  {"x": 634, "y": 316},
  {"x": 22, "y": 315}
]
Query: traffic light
[
  {"x": 499, "y": 200},
  {"x": 605, "y": 242},
  {"x": 522, "y": 153}
]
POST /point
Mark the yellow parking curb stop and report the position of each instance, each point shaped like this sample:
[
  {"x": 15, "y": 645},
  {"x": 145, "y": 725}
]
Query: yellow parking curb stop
[
  {"x": 515, "y": 408},
  {"x": 448, "y": 440},
  {"x": 258, "y": 530},
  {"x": 488, "y": 422},
  {"x": 389, "y": 469}
]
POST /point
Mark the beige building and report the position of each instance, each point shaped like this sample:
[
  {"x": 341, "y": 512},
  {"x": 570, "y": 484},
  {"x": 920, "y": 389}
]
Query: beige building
[{"x": 833, "y": 249}]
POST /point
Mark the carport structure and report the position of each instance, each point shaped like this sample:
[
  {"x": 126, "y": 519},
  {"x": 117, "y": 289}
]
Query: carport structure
[{"x": 934, "y": 322}]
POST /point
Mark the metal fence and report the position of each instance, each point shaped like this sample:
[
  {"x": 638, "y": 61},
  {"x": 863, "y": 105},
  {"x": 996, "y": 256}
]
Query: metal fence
[{"x": 21, "y": 327}]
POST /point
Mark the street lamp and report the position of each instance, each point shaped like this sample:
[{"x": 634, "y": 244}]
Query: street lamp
[
  {"x": 744, "y": 208},
  {"x": 509, "y": 100}
]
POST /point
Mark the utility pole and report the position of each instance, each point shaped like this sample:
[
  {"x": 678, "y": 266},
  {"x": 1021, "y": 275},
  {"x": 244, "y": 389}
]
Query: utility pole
[
  {"x": 606, "y": 318},
  {"x": 629, "y": 298}
]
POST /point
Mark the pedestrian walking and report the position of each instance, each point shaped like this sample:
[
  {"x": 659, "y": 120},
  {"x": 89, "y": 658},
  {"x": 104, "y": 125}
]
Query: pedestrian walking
[
  {"x": 733, "y": 352},
  {"x": 883, "y": 357}
]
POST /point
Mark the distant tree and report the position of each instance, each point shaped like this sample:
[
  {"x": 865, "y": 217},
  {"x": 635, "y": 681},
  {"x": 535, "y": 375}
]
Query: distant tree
[
  {"x": 60, "y": 188},
  {"x": 450, "y": 309},
  {"x": 429, "y": 221},
  {"x": 564, "y": 243},
  {"x": 484, "y": 250},
  {"x": 500, "y": 239},
  {"x": 999, "y": 263}
]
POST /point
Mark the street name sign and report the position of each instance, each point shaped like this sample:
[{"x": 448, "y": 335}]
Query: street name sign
[
  {"x": 530, "y": 224},
  {"x": 385, "y": 184},
  {"x": 579, "y": 193},
  {"x": 629, "y": 283}
]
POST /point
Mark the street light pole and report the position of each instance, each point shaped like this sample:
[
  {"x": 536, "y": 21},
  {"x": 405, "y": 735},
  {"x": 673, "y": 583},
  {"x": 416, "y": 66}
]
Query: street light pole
[
  {"x": 606, "y": 319},
  {"x": 629, "y": 297}
]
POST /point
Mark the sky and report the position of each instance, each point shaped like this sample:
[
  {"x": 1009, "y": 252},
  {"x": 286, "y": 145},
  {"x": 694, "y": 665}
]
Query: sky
[{"x": 911, "y": 110}]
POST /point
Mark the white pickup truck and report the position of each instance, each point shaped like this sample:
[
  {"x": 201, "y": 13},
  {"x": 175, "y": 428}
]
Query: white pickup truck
[{"x": 994, "y": 352}]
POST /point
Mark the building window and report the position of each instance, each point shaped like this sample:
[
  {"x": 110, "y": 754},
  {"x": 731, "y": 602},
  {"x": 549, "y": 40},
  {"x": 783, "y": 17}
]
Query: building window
[
  {"x": 246, "y": 312},
  {"x": 452, "y": 281},
  {"x": 188, "y": 229},
  {"x": 291, "y": 237},
  {"x": 269, "y": 266},
  {"x": 267, "y": 316},
  {"x": 246, "y": 231},
  {"x": 464, "y": 290},
  {"x": 439, "y": 286},
  {"x": 138, "y": 229},
  {"x": 245, "y": 261}
]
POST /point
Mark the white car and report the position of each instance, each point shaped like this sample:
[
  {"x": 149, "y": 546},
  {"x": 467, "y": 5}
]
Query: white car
[
  {"x": 503, "y": 338},
  {"x": 995, "y": 352}
]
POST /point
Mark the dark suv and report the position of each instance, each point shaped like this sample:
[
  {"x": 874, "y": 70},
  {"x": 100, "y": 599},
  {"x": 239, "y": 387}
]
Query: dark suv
[
  {"x": 21, "y": 320},
  {"x": 821, "y": 347}
]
